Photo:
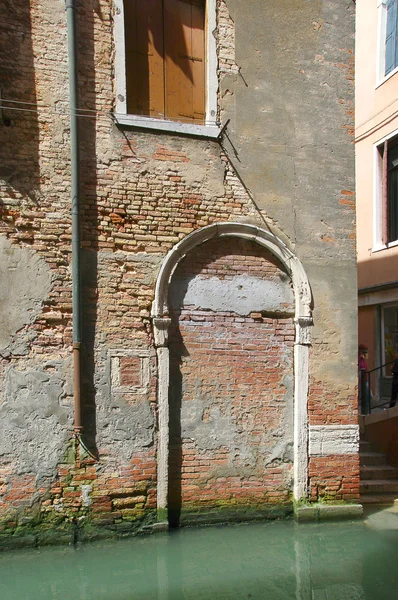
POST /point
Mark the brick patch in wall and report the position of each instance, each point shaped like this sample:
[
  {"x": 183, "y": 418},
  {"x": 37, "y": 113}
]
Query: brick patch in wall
[
  {"x": 337, "y": 405},
  {"x": 334, "y": 477},
  {"x": 130, "y": 371},
  {"x": 231, "y": 408}
]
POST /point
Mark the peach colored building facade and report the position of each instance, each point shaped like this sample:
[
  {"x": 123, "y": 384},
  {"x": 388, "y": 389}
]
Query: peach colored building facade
[{"x": 376, "y": 137}]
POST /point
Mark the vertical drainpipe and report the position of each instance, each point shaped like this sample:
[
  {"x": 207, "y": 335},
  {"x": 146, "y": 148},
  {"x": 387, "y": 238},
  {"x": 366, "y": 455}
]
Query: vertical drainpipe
[{"x": 70, "y": 7}]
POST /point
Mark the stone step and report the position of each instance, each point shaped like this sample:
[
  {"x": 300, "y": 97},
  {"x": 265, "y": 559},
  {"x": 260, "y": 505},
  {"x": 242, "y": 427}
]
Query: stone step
[
  {"x": 378, "y": 472},
  {"x": 382, "y": 499},
  {"x": 365, "y": 446},
  {"x": 372, "y": 458},
  {"x": 379, "y": 486}
]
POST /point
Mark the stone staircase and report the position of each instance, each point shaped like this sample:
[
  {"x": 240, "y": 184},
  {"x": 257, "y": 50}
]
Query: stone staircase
[{"x": 379, "y": 480}]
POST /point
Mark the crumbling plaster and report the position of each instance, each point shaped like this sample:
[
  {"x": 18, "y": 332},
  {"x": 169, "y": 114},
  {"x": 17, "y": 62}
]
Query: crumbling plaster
[
  {"x": 220, "y": 429},
  {"x": 125, "y": 418},
  {"x": 334, "y": 356},
  {"x": 243, "y": 294},
  {"x": 35, "y": 416},
  {"x": 20, "y": 303},
  {"x": 201, "y": 166}
]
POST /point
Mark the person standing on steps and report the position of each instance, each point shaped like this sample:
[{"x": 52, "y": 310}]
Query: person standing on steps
[
  {"x": 394, "y": 387},
  {"x": 362, "y": 367}
]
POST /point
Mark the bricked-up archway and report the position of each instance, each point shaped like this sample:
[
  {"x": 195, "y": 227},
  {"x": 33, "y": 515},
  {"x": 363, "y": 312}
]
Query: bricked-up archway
[{"x": 302, "y": 319}]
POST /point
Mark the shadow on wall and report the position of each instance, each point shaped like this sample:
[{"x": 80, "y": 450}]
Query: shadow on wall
[
  {"x": 381, "y": 267},
  {"x": 87, "y": 13},
  {"x": 19, "y": 132},
  {"x": 177, "y": 351}
]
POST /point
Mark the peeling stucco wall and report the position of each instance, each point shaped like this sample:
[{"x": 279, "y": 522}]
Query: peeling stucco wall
[
  {"x": 35, "y": 417},
  {"x": 25, "y": 283}
]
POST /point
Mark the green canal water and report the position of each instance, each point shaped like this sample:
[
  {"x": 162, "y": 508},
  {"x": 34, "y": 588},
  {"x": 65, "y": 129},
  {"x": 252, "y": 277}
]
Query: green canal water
[{"x": 269, "y": 561}]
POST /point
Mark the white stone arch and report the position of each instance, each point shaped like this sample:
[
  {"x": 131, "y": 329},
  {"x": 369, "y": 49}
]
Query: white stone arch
[{"x": 303, "y": 321}]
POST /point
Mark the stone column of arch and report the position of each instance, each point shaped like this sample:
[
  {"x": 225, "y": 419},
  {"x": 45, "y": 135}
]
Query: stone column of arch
[{"x": 303, "y": 322}]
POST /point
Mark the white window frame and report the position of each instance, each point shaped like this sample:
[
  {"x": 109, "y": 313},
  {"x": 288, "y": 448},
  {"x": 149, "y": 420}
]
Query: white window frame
[
  {"x": 381, "y": 77},
  {"x": 378, "y": 195},
  {"x": 211, "y": 128}
]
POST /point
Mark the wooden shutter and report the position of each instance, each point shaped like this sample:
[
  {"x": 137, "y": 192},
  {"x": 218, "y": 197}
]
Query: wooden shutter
[
  {"x": 391, "y": 36},
  {"x": 184, "y": 43},
  {"x": 144, "y": 57}
]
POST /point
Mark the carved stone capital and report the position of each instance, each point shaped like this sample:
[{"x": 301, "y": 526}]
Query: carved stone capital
[
  {"x": 303, "y": 331},
  {"x": 161, "y": 330}
]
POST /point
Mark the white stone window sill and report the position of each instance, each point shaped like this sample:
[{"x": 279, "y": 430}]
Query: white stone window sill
[
  {"x": 190, "y": 129},
  {"x": 385, "y": 246},
  {"x": 386, "y": 78}
]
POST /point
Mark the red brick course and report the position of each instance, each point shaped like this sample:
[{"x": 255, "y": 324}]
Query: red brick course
[
  {"x": 334, "y": 477},
  {"x": 130, "y": 371},
  {"x": 329, "y": 405}
]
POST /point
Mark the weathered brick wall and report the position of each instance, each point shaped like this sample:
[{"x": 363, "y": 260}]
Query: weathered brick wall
[
  {"x": 231, "y": 391},
  {"x": 20, "y": 127},
  {"x": 141, "y": 193},
  {"x": 328, "y": 406},
  {"x": 334, "y": 477}
]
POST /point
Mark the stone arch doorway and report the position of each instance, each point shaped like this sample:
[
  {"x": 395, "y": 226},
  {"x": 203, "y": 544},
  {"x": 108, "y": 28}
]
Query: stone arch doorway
[{"x": 199, "y": 276}]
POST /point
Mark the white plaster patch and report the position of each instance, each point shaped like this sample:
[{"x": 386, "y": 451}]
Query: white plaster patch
[
  {"x": 86, "y": 491},
  {"x": 325, "y": 440},
  {"x": 242, "y": 294}
]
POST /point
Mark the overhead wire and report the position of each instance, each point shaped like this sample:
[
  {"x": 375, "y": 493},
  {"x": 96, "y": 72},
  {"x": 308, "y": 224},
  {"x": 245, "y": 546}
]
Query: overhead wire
[{"x": 81, "y": 113}]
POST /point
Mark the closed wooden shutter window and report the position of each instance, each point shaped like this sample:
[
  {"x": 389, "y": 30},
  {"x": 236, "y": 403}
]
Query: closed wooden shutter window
[
  {"x": 165, "y": 58},
  {"x": 391, "y": 36}
]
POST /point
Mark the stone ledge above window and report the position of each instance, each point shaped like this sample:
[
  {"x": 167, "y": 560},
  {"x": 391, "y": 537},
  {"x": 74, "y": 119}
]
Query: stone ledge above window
[{"x": 167, "y": 126}]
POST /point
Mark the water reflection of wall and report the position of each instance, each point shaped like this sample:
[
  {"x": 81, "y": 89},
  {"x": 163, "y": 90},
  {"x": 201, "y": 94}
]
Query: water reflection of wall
[
  {"x": 329, "y": 562},
  {"x": 267, "y": 561}
]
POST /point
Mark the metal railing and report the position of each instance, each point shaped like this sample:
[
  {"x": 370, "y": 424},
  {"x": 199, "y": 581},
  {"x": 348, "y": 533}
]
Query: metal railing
[{"x": 372, "y": 395}]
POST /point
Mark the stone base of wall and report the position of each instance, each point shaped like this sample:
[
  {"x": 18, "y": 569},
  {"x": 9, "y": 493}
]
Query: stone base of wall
[
  {"x": 233, "y": 512},
  {"x": 87, "y": 500},
  {"x": 30, "y": 532},
  {"x": 328, "y": 512},
  {"x": 57, "y": 532}
]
